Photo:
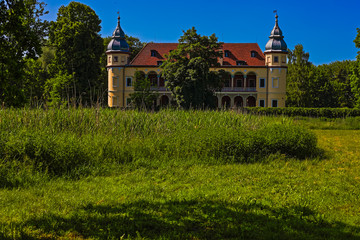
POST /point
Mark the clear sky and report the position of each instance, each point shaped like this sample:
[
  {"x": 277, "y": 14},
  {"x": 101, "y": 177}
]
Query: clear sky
[{"x": 326, "y": 29}]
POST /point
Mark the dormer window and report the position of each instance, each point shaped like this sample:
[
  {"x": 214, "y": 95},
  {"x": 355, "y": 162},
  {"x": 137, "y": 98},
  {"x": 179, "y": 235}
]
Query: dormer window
[
  {"x": 253, "y": 53},
  {"x": 227, "y": 53},
  {"x": 153, "y": 53},
  {"x": 240, "y": 63},
  {"x": 159, "y": 63}
]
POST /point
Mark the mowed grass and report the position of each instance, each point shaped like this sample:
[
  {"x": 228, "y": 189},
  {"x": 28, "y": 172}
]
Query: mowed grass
[{"x": 274, "y": 196}]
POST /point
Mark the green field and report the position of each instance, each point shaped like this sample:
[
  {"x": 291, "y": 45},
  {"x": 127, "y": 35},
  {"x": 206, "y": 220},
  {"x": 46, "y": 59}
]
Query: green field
[{"x": 104, "y": 174}]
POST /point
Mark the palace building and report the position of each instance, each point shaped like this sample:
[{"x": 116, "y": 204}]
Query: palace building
[{"x": 254, "y": 78}]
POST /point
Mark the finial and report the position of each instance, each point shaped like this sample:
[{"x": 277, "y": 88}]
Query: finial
[
  {"x": 276, "y": 16},
  {"x": 118, "y": 16}
]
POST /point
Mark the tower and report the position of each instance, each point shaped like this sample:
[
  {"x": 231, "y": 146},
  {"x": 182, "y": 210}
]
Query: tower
[
  {"x": 276, "y": 62},
  {"x": 276, "y": 48},
  {"x": 117, "y": 53}
]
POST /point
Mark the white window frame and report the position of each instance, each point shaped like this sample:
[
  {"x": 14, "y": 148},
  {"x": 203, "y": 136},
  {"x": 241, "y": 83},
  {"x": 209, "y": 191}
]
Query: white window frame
[
  {"x": 264, "y": 102},
  {"x": 278, "y": 82},
  {"x": 126, "y": 79},
  {"x": 272, "y": 102},
  {"x": 260, "y": 83}
]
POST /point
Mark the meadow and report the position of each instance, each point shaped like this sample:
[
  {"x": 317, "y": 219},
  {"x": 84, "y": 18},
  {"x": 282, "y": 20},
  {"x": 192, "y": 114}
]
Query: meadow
[{"x": 111, "y": 174}]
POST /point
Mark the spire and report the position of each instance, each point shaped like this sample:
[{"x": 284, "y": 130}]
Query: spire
[
  {"x": 118, "y": 42},
  {"x": 276, "y": 42}
]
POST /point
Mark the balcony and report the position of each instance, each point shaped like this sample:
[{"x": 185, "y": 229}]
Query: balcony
[
  {"x": 159, "y": 89},
  {"x": 238, "y": 89}
]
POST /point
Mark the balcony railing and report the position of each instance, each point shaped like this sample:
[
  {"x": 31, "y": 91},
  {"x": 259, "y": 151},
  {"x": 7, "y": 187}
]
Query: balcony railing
[
  {"x": 155, "y": 88},
  {"x": 238, "y": 89}
]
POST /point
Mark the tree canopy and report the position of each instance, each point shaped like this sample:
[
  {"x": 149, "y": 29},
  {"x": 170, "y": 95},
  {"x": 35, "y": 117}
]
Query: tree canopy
[
  {"x": 327, "y": 85},
  {"x": 22, "y": 32},
  {"x": 78, "y": 49},
  {"x": 355, "y": 76},
  {"x": 187, "y": 70}
]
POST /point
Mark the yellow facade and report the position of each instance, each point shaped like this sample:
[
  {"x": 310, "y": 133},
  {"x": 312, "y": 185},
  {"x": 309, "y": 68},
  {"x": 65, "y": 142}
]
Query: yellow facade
[{"x": 251, "y": 85}]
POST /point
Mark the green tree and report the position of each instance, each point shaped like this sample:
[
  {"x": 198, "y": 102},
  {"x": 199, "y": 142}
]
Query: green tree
[
  {"x": 22, "y": 32},
  {"x": 78, "y": 49},
  {"x": 300, "y": 71},
  {"x": 143, "y": 97},
  {"x": 187, "y": 70},
  {"x": 355, "y": 76}
]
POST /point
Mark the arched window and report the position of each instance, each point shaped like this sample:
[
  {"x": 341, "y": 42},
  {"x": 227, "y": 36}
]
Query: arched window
[
  {"x": 238, "y": 101},
  {"x": 239, "y": 80},
  {"x": 152, "y": 76},
  {"x": 251, "y": 80},
  {"x": 226, "y": 102},
  {"x": 251, "y": 101}
]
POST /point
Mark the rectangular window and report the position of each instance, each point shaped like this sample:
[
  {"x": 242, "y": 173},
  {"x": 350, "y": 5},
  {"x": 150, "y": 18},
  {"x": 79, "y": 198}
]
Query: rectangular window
[
  {"x": 123, "y": 59},
  {"x": 283, "y": 59},
  {"x": 153, "y": 53},
  {"x": 261, "y": 103},
  {"x": 240, "y": 63},
  {"x": 275, "y": 82},
  {"x": 115, "y": 81},
  {"x": 274, "y": 103},
  {"x": 159, "y": 63},
  {"x": 109, "y": 59},
  {"x": 227, "y": 53},
  {"x": 253, "y": 53},
  {"x": 262, "y": 82},
  {"x": 129, "y": 82},
  {"x": 114, "y": 101},
  {"x": 276, "y": 59},
  {"x": 115, "y": 59}
]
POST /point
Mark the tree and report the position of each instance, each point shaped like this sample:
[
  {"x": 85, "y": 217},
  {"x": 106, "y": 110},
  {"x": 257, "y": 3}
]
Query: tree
[
  {"x": 355, "y": 76},
  {"x": 300, "y": 71},
  {"x": 143, "y": 97},
  {"x": 187, "y": 70},
  {"x": 78, "y": 49},
  {"x": 22, "y": 32}
]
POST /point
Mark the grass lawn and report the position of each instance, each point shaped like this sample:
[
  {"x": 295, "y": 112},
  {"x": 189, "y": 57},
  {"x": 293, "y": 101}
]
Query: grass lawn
[{"x": 277, "y": 198}]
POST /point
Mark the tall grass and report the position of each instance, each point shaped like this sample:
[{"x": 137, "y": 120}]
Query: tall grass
[{"x": 80, "y": 142}]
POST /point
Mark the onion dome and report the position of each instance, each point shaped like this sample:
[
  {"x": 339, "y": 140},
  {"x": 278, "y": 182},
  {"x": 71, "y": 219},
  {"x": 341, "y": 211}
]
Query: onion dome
[
  {"x": 276, "y": 42},
  {"x": 118, "y": 42}
]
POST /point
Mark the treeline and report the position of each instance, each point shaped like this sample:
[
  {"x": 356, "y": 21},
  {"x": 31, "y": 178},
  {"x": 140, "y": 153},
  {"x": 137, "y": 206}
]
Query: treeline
[
  {"x": 52, "y": 63},
  {"x": 334, "y": 85}
]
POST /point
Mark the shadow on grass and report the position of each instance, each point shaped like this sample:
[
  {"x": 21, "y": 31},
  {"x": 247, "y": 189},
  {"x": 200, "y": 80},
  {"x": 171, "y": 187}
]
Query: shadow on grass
[{"x": 190, "y": 220}]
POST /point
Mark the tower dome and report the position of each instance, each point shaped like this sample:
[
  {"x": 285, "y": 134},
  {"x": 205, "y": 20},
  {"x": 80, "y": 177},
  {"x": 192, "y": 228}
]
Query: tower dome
[
  {"x": 276, "y": 42},
  {"x": 118, "y": 42}
]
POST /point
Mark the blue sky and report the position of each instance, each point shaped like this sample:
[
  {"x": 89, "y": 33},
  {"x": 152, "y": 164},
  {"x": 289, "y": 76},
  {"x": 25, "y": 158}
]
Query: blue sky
[{"x": 326, "y": 29}]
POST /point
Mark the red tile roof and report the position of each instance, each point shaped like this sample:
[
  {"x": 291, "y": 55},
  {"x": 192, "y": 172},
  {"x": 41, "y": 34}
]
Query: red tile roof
[{"x": 238, "y": 52}]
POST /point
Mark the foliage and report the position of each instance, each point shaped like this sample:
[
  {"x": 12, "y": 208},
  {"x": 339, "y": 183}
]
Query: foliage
[
  {"x": 143, "y": 97},
  {"x": 57, "y": 88},
  {"x": 22, "y": 33},
  {"x": 326, "y": 85},
  {"x": 355, "y": 76},
  {"x": 187, "y": 70},
  {"x": 144, "y": 197},
  {"x": 78, "y": 49},
  {"x": 306, "y": 112}
]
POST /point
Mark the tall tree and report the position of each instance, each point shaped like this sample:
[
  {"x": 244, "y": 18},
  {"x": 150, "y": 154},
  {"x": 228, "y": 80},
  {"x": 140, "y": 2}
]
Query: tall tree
[
  {"x": 78, "y": 49},
  {"x": 187, "y": 70},
  {"x": 355, "y": 77},
  {"x": 300, "y": 71},
  {"x": 22, "y": 32}
]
